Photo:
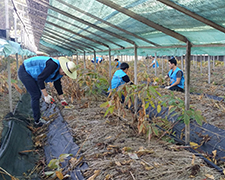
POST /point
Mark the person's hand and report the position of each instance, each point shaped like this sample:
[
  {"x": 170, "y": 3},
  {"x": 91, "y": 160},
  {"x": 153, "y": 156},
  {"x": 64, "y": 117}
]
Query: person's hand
[
  {"x": 63, "y": 102},
  {"x": 167, "y": 87},
  {"x": 48, "y": 99},
  {"x": 154, "y": 83}
]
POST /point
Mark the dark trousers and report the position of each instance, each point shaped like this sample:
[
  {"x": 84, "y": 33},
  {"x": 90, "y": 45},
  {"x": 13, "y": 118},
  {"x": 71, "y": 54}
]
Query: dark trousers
[
  {"x": 176, "y": 88},
  {"x": 33, "y": 89}
]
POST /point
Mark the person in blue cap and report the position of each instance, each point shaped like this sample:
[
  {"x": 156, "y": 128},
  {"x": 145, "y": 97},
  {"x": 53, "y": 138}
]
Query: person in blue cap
[
  {"x": 176, "y": 77},
  {"x": 98, "y": 60},
  {"x": 117, "y": 62},
  {"x": 152, "y": 58},
  {"x": 35, "y": 71}
]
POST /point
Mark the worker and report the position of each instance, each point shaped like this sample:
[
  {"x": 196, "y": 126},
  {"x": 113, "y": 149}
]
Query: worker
[
  {"x": 98, "y": 60},
  {"x": 117, "y": 62},
  {"x": 120, "y": 77},
  {"x": 154, "y": 61},
  {"x": 176, "y": 77},
  {"x": 35, "y": 71}
]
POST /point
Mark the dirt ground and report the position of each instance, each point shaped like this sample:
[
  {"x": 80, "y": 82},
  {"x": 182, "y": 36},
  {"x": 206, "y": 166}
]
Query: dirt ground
[{"x": 114, "y": 150}]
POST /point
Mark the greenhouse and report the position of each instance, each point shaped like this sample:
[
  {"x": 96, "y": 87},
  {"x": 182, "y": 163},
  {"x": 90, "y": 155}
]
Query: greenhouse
[{"x": 111, "y": 89}]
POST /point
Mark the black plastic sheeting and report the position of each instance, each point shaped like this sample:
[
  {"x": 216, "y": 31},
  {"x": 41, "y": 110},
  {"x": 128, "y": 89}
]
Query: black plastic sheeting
[
  {"x": 16, "y": 138},
  {"x": 60, "y": 141},
  {"x": 213, "y": 137}
]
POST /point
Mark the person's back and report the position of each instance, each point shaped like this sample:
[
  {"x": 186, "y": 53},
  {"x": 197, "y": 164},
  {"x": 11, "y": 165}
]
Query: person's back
[
  {"x": 120, "y": 77},
  {"x": 98, "y": 60},
  {"x": 117, "y": 63}
]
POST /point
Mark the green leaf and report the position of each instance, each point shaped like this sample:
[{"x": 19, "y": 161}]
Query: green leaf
[
  {"x": 172, "y": 110},
  {"x": 105, "y": 104},
  {"x": 111, "y": 109},
  {"x": 152, "y": 104},
  {"x": 54, "y": 164},
  {"x": 158, "y": 108},
  {"x": 155, "y": 130},
  {"x": 141, "y": 128},
  {"x": 146, "y": 106},
  {"x": 186, "y": 119},
  {"x": 107, "y": 111},
  {"x": 62, "y": 157},
  {"x": 49, "y": 173}
]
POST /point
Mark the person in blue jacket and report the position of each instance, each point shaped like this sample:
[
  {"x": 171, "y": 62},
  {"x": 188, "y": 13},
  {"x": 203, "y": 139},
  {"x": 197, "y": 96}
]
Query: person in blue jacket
[
  {"x": 117, "y": 62},
  {"x": 176, "y": 77},
  {"x": 35, "y": 71},
  {"x": 120, "y": 77},
  {"x": 152, "y": 58},
  {"x": 98, "y": 60}
]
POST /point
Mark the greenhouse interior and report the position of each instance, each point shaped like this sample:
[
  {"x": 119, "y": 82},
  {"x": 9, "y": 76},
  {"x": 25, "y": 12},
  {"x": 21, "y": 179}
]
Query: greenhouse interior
[{"x": 111, "y": 89}]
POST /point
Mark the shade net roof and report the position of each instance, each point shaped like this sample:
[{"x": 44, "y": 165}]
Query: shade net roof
[{"x": 164, "y": 27}]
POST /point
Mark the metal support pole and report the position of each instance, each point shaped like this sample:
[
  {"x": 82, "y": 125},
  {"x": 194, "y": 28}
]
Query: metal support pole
[
  {"x": 187, "y": 89},
  {"x": 224, "y": 61},
  {"x": 182, "y": 62},
  {"x": 162, "y": 59},
  {"x": 209, "y": 73},
  {"x": 77, "y": 60},
  {"x": 213, "y": 62},
  {"x": 95, "y": 59},
  {"x": 110, "y": 68},
  {"x": 201, "y": 64},
  {"x": 155, "y": 64},
  {"x": 135, "y": 79},
  {"x": 84, "y": 61}
]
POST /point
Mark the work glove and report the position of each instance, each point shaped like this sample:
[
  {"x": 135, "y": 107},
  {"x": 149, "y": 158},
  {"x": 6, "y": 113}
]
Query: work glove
[
  {"x": 48, "y": 99},
  {"x": 63, "y": 102},
  {"x": 167, "y": 87}
]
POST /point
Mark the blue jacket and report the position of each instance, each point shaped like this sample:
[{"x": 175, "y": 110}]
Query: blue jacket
[
  {"x": 157, "y": 64},
  {"x": 97, "y": 59},
  {"x": 35, "y": 65},
  {"x": 118, "y": 65},
  {"x": 117, "y": 79},
  {"x": 173, "y": 77}
]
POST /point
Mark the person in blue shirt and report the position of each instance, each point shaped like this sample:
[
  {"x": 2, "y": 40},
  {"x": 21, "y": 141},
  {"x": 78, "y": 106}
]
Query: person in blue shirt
[
  {"x": 120, "y": 77},
  {"x": 117, "y": 62},
  {"x": 98, "y": 60},
  {"x": 152, "y": 58},
  {"x": 176, "y": 77},
  {"x": 35, "y": 71}
]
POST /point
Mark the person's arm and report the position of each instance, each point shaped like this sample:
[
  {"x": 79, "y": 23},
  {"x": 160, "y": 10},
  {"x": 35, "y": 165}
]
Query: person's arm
[
  {"x": 51, "y": 66},
  {"x": 127, "y": 79},
  {"x": 166, "y": 76},
  {"x": 58, "y": 87}
]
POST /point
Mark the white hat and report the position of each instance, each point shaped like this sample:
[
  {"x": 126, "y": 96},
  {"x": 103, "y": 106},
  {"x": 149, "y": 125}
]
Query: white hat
[{"x": 68, "y": 67}]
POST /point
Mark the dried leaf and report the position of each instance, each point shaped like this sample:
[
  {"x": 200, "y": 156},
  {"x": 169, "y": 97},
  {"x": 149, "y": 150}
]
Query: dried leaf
[
  {"x": 133, "y": 156},
  {"x": 96, "y": 173},
  {"x": 59, "y": 175},
  {"x": 118, "y": 163},
  {"x": 210, "y": 176},
  {"x": 193, "y": 159}
]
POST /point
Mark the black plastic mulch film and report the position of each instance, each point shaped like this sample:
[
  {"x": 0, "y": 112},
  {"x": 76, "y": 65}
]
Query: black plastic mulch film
[{"x": 16, "y": 138}]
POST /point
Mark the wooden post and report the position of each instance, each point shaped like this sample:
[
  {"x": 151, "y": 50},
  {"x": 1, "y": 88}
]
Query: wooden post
[
  {"x": 187, "y": 89},
  {"x": 209, "y": 73}
]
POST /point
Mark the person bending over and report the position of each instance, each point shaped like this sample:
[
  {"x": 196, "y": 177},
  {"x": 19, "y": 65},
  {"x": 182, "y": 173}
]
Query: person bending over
[{"x": 35, "y": 71}]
